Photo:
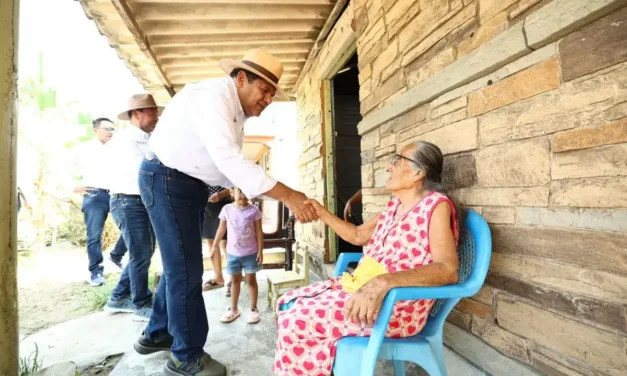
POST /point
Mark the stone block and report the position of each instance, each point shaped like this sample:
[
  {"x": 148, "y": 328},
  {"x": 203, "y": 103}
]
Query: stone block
[
  {"x": 490, "y": 8},
  {"x": 367, "y": 175},
  {"x": 375, "y": 204},
  {"x": 370, "y": 140},
  {"x": 365, "y": 73},
  {"x": 487, "y": 31},
  {"x": 590, "y": 192},
  {"x": 433, "y": 13},
  {"x": 495, "y": 215},
  {"x": 560, "y": 17},
  {"x": 388, "y": 141},
  {"x": 389, "y": 87},
  {"x": 532, "y": 196},
  {"x": 384, "y": 59},
  {"x": 558, "y": 110},
  {"x": 385, "y": 151},
  {"x": 459, "y": 171},
  {"x": 590, "y": 309},
  {"x": 368, "y": 156},
  {"x": 523, "y": 6},
  {"x": 404, "y": 121},
  {"x": 453, "y": 138},
  {"x": 372, "y": 35},
  {"x": 380, "y": 178},
  {"x": 568, "y": 362},
  {"x": 419, "y": 129},
  {"x": 399, "y": 14},
  {"x": 583, "y": 218},
  {"x": 592, "y": 283},
  {"x": 482, "y": 354},
  {"x": 548, "y": 366},
  {"x": 597, "y": 46},
  {"x": 505, "y": 48},
  {"x": 524, "y": 62},
  {"x": 476, "y": 309},
  {"x": 615, "y": 112},
  {"x": 535, "y": 80},
  {"x": 485, "y": 295},
  {"x": 588, "y": 249},
  {"x": 600, "y": 349},
  {"x": 417, "y": 75},
  {"x": 603, "y": 161},
  {"x": 613, "y": 133},
  {"x": 365, "y": 89},
  {"x": 502, "y": 340},
  {"x": 521, "y": 163},
  {"x": 438, "y": 34},
  {"x": 388, "y": 71},
  {"x": 449, "y": 107},
  {"x": 463, "y": 320}
]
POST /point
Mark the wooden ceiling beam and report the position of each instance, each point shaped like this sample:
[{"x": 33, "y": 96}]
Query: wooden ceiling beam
[
  {"x": 220, "y": 52},
  {"x": 229, "y": 27},
  {"x": 209, "y": 69},
  {"x": 228, "y": 39},
  {"x": 277, "y": 2},
  {"x": 190, "y": 61},
  {"x": 181, "y": 80},
  {"x": 127, "y": 17},
  {"x": 230, "y": 11}
]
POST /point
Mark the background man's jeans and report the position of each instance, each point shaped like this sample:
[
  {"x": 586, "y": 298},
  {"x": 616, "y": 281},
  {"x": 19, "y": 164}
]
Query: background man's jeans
[
  {"x": 132, "y": 219},
  {"x": 176, "y": 204},
  {"x": 95, "y": 211}
]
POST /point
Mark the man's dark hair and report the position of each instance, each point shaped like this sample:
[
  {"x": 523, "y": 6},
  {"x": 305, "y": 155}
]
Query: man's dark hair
[
  {"x": 96, "y": 123},
  {"x": 130, "y": 113},
  {"x": 249, "y": 75}
]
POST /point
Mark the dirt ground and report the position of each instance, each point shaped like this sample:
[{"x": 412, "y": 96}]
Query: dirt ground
[{"x": 53, "y": 287}]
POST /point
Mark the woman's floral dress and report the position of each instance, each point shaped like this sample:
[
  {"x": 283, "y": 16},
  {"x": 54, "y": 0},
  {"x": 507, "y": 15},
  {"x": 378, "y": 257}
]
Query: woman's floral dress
[{"x": 309, "y": 330}]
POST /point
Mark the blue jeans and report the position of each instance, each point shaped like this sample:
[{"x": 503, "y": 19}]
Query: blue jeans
[
  {"x": 132, "y": 218},
  {"x": 176, "y": 205},
  {"x": 95, "y": 211}
]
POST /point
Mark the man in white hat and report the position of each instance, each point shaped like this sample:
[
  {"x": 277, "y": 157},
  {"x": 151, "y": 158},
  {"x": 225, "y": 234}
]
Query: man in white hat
[
  {"x": 126, "y": 152},
  {"x": 198, "y": 143}
]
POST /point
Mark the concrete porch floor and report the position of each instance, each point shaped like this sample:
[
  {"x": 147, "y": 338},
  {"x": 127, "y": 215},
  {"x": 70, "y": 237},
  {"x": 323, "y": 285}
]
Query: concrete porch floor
[{"x": 246, "y": 350}]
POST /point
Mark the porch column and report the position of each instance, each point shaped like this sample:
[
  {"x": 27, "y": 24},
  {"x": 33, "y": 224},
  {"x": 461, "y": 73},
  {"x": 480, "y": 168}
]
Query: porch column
[{"x": 9, "y": 344}]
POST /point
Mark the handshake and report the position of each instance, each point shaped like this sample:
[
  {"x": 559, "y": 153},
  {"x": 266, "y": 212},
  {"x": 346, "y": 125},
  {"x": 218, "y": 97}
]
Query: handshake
[{"x": 305, "y": 210}]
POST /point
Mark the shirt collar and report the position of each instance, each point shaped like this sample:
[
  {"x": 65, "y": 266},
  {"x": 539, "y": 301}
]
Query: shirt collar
[
  {"x": 239, "y": 110},
  {"x": 138, "y": 133}
]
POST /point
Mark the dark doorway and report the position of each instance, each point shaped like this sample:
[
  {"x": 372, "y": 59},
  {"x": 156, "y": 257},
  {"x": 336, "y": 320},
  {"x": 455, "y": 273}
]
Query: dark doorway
[{"x": 347, "y": 144}]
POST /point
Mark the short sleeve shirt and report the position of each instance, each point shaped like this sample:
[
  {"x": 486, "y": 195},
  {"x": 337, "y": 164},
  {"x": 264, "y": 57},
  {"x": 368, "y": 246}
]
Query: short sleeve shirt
[{"x": 240, "y": 225}]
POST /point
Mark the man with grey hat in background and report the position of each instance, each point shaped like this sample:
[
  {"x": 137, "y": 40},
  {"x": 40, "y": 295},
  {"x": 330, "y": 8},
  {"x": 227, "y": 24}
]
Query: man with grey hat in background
[
  {"x": 198, "y": 143},
  {"x": 92, "y": 161},
  {"x": 126, "y": 152}
]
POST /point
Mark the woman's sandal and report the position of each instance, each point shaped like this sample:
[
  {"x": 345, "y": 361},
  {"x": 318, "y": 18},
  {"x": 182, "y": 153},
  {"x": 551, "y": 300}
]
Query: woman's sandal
[
  {"x": 230, "y": 316},
  {"x": 212, "y": 284}
]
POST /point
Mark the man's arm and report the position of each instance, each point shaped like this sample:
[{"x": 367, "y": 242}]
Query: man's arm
[{"x": 294, "y": 200}]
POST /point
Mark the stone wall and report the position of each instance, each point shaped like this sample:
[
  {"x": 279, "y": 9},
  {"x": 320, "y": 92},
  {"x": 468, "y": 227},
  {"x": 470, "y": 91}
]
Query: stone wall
[{"x": 528, "y": 101}]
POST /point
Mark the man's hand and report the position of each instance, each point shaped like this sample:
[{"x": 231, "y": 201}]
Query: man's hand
[
  {"x": 303, "y": 212},
  {"x": 367, "y": 301},
  {"x": 214, "y": 198},
  {"x": 260, "y": 257}
]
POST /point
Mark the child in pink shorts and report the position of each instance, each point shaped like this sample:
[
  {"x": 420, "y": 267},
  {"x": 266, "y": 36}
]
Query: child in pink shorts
[{"x": 244, "y": 249}]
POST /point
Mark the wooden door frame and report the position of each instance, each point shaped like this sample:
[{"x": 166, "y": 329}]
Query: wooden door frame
[{"x": 328, "y": 138}]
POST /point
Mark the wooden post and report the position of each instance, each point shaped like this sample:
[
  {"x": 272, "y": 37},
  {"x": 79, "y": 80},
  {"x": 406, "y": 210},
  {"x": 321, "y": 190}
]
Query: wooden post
[
  {"x": 9, "y": 336},
  {"x": 329, "y": 165}
]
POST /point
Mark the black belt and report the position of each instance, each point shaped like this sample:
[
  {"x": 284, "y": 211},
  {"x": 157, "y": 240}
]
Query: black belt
[{"x": 123, "y": 195}]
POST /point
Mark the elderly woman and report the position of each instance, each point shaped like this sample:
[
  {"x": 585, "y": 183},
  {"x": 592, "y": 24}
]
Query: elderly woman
[{"x": 413, "y": 242}]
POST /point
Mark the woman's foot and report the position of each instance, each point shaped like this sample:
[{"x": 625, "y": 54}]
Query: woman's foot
[
  {"x": 212, "y": 284},
  {"x": 230, "y": 316},
  {"x": 254, "y": 316},
  {"x": 228, "y": 290}
]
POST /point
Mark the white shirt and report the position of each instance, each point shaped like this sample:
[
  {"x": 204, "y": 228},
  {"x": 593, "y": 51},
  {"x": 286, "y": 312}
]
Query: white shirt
[
  {"x": 201, "y": 133},
  {"x": 126, "y": 152},
  {"x": 92, "y": 161}
]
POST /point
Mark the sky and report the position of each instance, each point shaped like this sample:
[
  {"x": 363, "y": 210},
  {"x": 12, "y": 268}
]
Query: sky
[{"x": 78, "y": 61}]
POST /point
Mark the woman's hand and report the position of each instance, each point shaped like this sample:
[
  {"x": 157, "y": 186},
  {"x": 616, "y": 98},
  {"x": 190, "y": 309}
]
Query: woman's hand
[
  {"x": 214, "y": 198},
  {"x": 348, "y": 210},
  {"x": 316, "y": 206},
  {"x": 367, "y": 301}
]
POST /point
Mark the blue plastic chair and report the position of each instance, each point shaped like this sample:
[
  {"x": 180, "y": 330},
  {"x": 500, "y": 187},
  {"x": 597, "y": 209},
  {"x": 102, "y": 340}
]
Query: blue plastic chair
[{"x": 358, "y": 355}]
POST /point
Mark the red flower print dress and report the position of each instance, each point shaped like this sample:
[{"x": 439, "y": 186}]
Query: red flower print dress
[{"x": 308, "y": 332}]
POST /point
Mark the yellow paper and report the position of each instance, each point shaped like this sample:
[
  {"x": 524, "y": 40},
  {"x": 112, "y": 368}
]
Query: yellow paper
[{"x": 367, "y": 269}]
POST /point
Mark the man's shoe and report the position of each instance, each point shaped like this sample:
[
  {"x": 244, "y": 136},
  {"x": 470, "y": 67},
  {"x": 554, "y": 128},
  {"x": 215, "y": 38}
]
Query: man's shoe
[
  {"x": 97, "y": 280},
  {"x": 142, "y": 314},
  {"x": 145, "y": 345},
  {"x": 203, "y": 366},
  {"x": 116, "y": 262},
  {"x": 119, "y": 306}
]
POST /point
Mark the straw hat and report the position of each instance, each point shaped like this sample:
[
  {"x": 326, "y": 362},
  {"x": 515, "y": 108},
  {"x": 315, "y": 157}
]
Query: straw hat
[
  {"x": 261, "y": 63},
  {"x": 137, "y": 102}
]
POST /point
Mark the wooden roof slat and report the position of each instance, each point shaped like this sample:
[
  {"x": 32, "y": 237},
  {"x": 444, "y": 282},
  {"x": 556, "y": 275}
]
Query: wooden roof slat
[
  {"x": 228, "y": 26},
  {"x": 230, "y": 11}
]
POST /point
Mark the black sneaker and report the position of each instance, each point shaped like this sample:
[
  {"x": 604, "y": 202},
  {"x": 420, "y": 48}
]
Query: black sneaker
[
  {"x": 203, "y": 366},
  {"x": 116, "y": 262},
  {"x": 145, "y": 345}
]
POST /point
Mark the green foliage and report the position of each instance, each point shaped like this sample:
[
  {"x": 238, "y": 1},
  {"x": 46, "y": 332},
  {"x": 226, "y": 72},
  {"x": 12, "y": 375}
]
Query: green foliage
[
  {"x": 30, "y": 364},
  {"x": 85, "y": 118}
]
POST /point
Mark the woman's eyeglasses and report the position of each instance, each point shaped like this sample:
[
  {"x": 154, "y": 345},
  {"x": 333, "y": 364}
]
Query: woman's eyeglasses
[{"x": 397, "y": 157}]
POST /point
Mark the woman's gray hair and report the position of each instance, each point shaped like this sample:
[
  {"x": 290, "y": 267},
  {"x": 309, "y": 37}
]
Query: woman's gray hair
[{"x": 429, "y": 159}]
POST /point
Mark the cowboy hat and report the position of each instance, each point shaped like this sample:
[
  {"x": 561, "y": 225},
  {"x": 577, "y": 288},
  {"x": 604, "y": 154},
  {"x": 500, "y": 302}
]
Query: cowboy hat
[
  {"x": 137, "y": 102},
  {"x": 261, "y": 63}
]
